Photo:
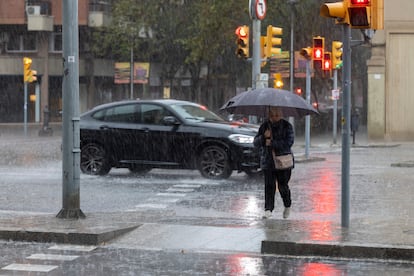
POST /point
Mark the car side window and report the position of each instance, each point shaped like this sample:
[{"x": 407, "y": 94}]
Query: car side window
[
  {"x": 120, "y": 114},
  {"x": 153, "y": 114}
]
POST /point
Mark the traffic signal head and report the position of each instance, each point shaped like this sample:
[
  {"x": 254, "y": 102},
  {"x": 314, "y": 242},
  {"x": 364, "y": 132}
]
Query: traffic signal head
[
  {"x": 336, "y": 54},
  {"x": 242, "y": 33},
  {"x": 359, "y": 13},
  {"x": 272, "y": 42},
  {"x": 277, "y": 80},
  {"x": 327, "y": 63},
  {"x": 29, "y": 75},
  {"x": 318, "y": 46},
  {"x": 306, "y": 53},
  {"x": 298, "y": 91},
  {"x": 336, "y": 10},
  {"x": 33, "y": 76}
]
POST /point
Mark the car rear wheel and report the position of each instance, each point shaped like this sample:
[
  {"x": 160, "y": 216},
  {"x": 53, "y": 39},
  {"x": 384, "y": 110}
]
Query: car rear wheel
[
  {"x": 214, "y": 163},
  {"x": 94, "y": 160},
  {"x": 139, "y": 169}
]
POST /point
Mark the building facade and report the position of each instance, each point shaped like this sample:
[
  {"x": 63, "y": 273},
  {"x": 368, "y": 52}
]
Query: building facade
[
  {"x": 391, "y": 75},
  {"x": 34, "y": 29}
]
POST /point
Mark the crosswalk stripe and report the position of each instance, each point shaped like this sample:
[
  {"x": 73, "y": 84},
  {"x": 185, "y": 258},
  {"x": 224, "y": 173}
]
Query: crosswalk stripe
[
  {"x": 171, "y": 194},
  {"x": 30, "y": 267},
  {"x": 52, "y": 257},
  {"x": 180, "y": 190},
  {"x": 167, "y": 200},
  {"x": 194, "y": 186},
  {"x": 151, "y": 205},
  {"x": 72, "y": 247}
]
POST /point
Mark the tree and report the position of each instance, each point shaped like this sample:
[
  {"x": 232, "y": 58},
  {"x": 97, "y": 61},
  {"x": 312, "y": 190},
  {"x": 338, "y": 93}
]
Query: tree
[{"x": 198, "y": 37}]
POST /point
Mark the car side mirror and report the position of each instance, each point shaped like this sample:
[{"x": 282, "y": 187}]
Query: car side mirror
[{"x": 170, "y": 120}]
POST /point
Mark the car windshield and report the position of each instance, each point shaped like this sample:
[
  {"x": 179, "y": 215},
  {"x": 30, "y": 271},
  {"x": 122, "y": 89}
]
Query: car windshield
[{"x": 195, "y": 112}]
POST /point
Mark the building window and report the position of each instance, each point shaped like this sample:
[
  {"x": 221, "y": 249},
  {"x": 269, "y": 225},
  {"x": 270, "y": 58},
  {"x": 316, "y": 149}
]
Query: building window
[
  {"x": 100, "y": 6},
  {"x": 55, "y": 42},
  {"x": 22, "y": 43}
]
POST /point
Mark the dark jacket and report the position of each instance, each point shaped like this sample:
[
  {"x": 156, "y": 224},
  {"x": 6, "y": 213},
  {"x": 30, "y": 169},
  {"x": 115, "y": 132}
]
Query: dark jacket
[{"x": 282, "y": 141}]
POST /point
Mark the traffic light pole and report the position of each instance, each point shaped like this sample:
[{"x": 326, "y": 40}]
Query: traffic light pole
[
  {"x": 346, "y": 120},
  {"x": 335, "y": 107},
  {"x": 308, "y": 100},
  {"x": 256, "y": 59},
  {"x": 70, "y": 125},
  {"x": 25, "y": 110}
]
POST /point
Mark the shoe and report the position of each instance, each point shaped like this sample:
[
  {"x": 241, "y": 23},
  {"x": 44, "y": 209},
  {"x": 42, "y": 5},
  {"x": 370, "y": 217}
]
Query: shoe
[
  {"x": 267, "y": 214},
  {"x": 286, "y": 212}
]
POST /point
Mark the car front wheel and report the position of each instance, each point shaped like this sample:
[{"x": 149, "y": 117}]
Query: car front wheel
[
  {"x": 94, "y": 160},
  {"x": 213, "y": 163}
]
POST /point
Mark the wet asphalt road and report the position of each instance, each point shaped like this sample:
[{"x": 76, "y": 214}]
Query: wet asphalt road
[
  {"x": 120, "y": 261},
  {"x": 194, "y": 200}
]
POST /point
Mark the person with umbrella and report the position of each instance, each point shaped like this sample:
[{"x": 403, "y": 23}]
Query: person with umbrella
[{"x": 275, "y": 134}]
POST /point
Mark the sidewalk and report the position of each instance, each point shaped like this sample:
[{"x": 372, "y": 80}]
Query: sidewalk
[{"x": 374, "y": 231}]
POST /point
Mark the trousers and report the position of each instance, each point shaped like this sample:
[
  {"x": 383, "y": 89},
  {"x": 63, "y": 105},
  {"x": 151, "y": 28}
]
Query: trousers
[{"x": 281, "y": 177}]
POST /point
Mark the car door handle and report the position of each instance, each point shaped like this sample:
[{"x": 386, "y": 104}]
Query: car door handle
[
  {"x": 104, "y": 127},
  {"x": 145, "y": 129}
]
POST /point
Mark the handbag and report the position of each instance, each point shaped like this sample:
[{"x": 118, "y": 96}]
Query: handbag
[{"x": 283, "y": 162}]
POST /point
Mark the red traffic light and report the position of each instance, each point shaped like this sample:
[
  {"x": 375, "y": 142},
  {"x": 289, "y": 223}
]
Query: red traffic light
[
  {"x": 327, "y": 65},
  {"x": 360, "y": 2},
  {"x": 327, "y": 62},
  {"x": 318, "y": 46},
  {"x": 317, "y": 53},
  {"x": 242, "y": 32},
  {"x": 298, "y": 91}
]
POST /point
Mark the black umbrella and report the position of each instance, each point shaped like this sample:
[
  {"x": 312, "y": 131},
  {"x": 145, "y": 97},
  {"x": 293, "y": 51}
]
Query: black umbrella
[{"x": 258, "y": 101}]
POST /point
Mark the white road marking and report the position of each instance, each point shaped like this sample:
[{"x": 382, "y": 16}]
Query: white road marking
[
  {"x": 194, "y": 186},
  {"x": 30, "y": 267},
  {"x": 71, "y": 247},
  {"x": 52, "y": 257},
  {"x": 180, "y": 190},
  {"x": 152, "y": 206},
  {"x": 171, "y": 194}
]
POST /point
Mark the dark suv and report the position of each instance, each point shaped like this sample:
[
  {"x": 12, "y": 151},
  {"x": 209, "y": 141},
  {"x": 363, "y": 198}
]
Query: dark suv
[{"x": 145, "y": 134}]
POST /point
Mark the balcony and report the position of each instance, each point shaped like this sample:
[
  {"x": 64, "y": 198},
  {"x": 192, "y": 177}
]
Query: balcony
[
  {"x": 99, "y": 13},
  {"x": 39, "y": 16}
]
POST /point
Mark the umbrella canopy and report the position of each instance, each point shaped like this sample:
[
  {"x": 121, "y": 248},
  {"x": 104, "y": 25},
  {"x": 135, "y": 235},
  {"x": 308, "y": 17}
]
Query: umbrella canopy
[{"x": 258, "y": 101}]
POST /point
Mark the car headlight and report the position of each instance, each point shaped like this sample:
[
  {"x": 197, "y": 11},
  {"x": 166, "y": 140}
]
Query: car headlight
[{"x": 241, "y": 139}]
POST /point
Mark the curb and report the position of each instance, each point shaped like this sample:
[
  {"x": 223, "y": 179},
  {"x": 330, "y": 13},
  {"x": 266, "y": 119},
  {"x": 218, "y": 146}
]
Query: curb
[
  {"x": 338, "y": 250},
  {"x": 81, "y": 238}
]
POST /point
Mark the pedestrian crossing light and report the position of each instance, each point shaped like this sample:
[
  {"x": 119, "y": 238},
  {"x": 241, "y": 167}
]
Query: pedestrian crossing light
[
  {"x": 273, "y": 42},
  {"x": 336, "y": 54},
  {"x": 359, "y": 12},
  {"x": 277, "y": 80},
  {"x": 327, "y": 62},
  {"x": 29, "y": 75},
  {"x": 242, "y": 33},
  {"x": 318, "y": 50}
]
